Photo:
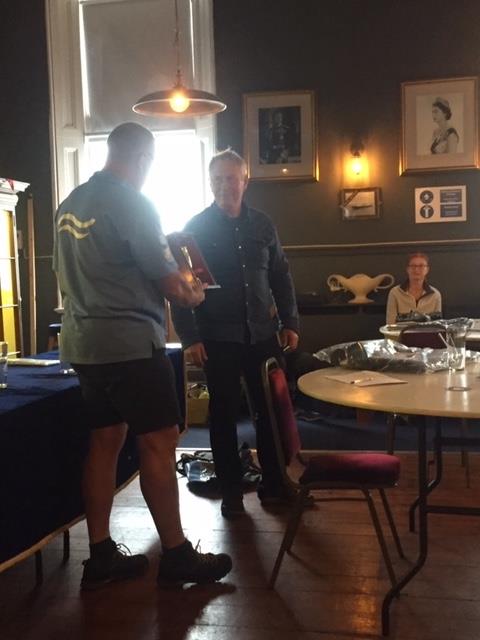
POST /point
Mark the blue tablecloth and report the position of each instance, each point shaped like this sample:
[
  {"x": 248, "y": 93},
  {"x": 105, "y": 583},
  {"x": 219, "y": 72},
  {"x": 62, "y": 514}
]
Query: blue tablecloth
[
  {"x": 28, "y": 385},
  {"x": 43, "y": 442}
]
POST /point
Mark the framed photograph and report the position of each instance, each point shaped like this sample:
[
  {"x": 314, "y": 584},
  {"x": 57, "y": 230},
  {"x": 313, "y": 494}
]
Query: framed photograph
[
  {"x": 279, "y": 135},
  {"x": 360, "y": 204},
  {"x": 439, "y": 125}
]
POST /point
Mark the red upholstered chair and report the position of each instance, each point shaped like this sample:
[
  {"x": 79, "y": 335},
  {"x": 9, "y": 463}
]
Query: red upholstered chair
[
  {"x": 432, "y": 337},
  {"x": 329, "y": 471}
]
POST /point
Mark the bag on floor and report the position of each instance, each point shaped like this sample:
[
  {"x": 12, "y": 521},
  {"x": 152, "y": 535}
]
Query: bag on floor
[{"x": 199, "y": 469}]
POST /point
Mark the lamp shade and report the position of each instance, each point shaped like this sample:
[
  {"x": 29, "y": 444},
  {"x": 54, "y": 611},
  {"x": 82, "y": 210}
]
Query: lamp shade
[{"x": 159, "y": 103}]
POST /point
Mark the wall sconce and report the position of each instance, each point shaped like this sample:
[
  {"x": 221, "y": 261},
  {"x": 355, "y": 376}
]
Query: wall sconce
[
  {"x": 358, "y": 200},
  {"x": 357, "y": 162}
]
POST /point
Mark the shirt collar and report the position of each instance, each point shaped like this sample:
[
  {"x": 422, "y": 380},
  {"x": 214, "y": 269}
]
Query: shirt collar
[
  {"x": 244, "y": 213},
  {"x": 108, "y": 176}
]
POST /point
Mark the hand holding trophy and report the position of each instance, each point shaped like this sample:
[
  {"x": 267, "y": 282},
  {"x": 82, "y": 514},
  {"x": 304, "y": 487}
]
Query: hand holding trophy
[{"x": 190, "y": 260}]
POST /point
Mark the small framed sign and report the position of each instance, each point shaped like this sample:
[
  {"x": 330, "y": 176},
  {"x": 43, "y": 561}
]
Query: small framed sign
[
  {"x": 360, "y": 204},
  {"x": 441, "y": 204}
]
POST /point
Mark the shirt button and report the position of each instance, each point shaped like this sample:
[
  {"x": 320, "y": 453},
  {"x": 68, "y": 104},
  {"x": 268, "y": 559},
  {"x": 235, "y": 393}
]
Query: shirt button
[
  {"x": 239, "y": 246},
  {"x": 244, "y": 266},
  {"x": 246, "y": 284}
]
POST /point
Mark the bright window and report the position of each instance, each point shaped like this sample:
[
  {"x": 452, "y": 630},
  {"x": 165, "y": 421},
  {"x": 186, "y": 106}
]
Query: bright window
[
  {"x": 175, "y": 182},
  {"x": 104, "y": 55}
]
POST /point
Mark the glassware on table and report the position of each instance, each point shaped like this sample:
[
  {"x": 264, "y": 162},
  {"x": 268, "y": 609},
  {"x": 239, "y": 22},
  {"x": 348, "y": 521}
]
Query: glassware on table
[
  {"x": 456, "y": 351},
  {"x": 458, "y": 381},
  {"x": 3, "y": 364}
]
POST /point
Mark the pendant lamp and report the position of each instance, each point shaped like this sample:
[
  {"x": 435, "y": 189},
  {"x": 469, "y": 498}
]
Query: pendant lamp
[{"x": 179, "y": 102}]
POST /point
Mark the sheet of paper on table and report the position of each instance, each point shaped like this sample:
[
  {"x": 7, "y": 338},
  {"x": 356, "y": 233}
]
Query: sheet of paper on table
[
  {"x": 365, "y": 378},
  {"x": 31, "y": 362}
]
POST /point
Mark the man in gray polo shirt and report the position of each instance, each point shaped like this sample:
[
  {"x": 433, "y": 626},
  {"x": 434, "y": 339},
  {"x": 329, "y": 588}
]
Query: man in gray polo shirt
[{"x": 114, "y": 270}]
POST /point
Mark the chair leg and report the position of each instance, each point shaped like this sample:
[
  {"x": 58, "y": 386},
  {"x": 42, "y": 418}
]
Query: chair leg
[
  {"x": 391, "y": 428},
  {"x": 391, "y": 522},
  {"x": 288, "y": 537},
  {"x": 464, "y": 453},
  {"x": 380, "y": 537},
  {"x": 298, "y": 508}
]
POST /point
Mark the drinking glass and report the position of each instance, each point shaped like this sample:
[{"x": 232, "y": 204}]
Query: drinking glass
[
  {"x": 3, "y": 364},
  {"x": 457, "y": 348}
]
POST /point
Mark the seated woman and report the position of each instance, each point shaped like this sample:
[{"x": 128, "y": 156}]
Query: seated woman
[{"x": 415, "y": 294}]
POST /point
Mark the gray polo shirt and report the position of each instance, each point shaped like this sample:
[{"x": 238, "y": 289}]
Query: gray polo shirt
[{"x": 109, "y": 248}]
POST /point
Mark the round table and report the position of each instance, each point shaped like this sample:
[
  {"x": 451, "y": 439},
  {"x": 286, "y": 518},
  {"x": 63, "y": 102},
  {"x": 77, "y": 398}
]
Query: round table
[
  {"x": 440, "y": 394},
  {"x": 423, "y": 394}
]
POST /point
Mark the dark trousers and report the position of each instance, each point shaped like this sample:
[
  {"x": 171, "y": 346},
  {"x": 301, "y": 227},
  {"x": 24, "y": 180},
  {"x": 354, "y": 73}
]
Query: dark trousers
[{"x": 227, "y": 362}]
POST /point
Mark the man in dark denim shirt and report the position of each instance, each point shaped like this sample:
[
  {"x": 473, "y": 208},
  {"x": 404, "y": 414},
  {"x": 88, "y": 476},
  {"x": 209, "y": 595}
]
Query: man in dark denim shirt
[{"x": 250, "y": 317}]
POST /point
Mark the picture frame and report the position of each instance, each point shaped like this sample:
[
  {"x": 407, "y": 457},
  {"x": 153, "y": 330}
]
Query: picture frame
[
  {"x": 360, "y": 204},
  {"x": 439, "y": 125},
  {"x": 279, "y": 135}
]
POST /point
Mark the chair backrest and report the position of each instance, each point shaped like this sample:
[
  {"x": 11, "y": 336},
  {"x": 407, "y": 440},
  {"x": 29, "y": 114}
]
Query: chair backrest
[
  {"x": 423, "y": 337},
  {"x": 281, "y": 414}
]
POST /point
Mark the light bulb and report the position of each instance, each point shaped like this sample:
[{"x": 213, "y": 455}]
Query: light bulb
[
  {"x": 357, "y": 165},
  {"x": 179, "y": 101}
]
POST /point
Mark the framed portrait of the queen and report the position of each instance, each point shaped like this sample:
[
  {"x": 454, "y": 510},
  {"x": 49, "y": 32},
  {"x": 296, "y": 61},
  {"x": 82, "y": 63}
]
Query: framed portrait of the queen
[{"x": 439, "y": 125}]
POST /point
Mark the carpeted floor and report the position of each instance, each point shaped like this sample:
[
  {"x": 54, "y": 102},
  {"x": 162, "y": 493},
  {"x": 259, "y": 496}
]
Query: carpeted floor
[{"x": 335, "y": 429}]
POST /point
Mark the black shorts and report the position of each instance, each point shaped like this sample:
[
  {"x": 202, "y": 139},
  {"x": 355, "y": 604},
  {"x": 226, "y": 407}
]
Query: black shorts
[{"x": 139, "y": 392}]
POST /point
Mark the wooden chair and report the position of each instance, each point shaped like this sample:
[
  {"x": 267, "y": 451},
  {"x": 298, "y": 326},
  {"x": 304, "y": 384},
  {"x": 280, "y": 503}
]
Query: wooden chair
[{"x": 329, "y": 471}]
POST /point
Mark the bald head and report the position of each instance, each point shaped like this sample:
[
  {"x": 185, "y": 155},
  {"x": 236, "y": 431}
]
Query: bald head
[
  {"x": 128, "y": 139},
  {"x": 130, "y": 153}
]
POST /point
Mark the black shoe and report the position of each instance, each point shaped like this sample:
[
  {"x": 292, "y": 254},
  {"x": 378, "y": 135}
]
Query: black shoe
[
  {"x": 189, "y": 565},
  {"x": 280, "y": 497},
  {"x": 121, "y": 565},
  {"x": 232, "y": 505}
]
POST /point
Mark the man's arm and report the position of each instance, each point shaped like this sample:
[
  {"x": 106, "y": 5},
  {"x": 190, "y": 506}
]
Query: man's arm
[
  {"x": 185, "y": 325},
  {"x": 177, "y": 289},
  {"x": 281, "y": 284}
]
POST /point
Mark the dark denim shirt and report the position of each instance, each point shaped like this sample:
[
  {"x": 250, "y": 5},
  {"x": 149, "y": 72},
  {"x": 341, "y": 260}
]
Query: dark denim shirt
[{"x": 256, "y": 295}]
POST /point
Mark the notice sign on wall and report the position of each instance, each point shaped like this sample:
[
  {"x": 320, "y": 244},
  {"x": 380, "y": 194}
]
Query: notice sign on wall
[{"x": 441, "y": 204}]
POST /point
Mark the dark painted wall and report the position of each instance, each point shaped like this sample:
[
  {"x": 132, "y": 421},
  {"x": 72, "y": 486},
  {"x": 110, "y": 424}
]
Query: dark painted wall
[
  {"x": 355, "y": 54},
  {"x": 24, "y": 140}
]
